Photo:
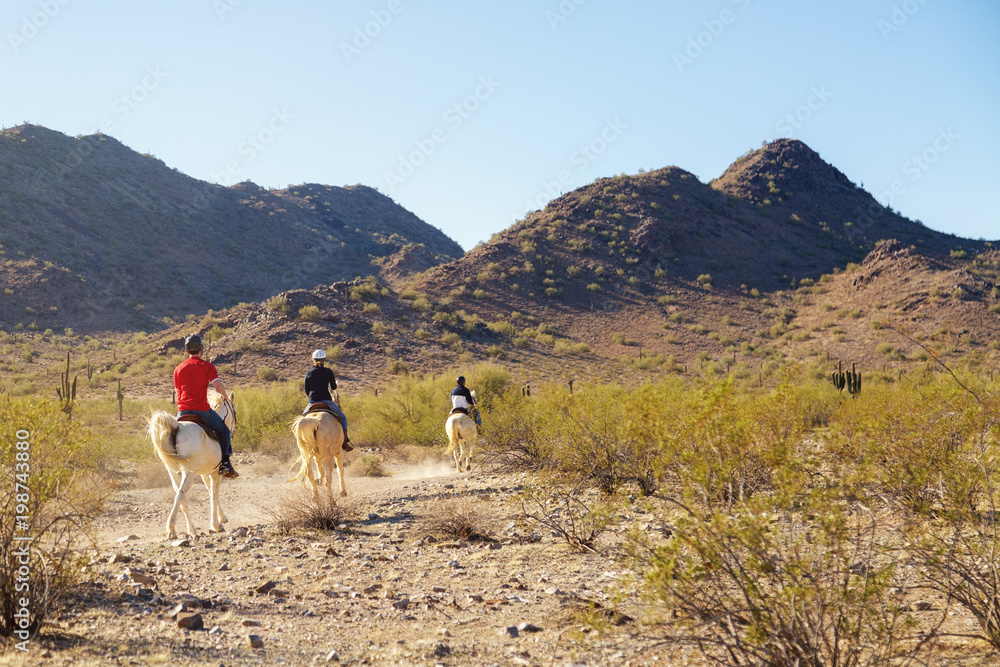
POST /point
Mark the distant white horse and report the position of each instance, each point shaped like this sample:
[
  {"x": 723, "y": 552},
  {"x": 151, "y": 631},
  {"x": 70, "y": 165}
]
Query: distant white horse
[
  {"x": 462, "y": 433},
  {"x": 187, "y": 452},
  {"x": 320, "y": 438}
]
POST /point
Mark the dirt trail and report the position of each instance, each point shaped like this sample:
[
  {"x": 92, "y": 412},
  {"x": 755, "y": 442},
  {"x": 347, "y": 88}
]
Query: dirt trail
[{"x": 249, "y": 500}]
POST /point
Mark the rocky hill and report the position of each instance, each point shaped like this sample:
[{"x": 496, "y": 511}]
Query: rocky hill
[
  {"x": 96, "y": 236},
  {"x": 626, "y": 279}
]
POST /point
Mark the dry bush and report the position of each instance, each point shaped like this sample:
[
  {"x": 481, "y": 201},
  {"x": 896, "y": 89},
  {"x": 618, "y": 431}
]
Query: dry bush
[
  {"x": 782, "y": 588},
  {"x": 459, "y": 518},
  {"x": 304, "y": 511},
  {"x": 513, "y": 437},
  {"x": 368, "y": 465},
  {"x": 51, "y": 489},
  {"x": 559, "y": 508}
]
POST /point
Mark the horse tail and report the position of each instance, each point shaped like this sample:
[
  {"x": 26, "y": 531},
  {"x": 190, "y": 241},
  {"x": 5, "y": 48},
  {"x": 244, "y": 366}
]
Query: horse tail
[
  {"x": 305, "y": 436},
  {"x": 454, "y": 434},
  {"x": 162, "y": 431}
]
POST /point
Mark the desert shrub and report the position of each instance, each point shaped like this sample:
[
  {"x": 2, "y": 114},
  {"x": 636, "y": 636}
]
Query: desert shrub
[
  {"x": 462, "y": 518},
  {"x": 52, "y": 488},
  {"x": 397, "y": 367},
  {"x": 267, "y": 374},
  {"x": 514, "y": 433},
  {"x": 422, "y": 334},
  {"x": 914, "y": 443},
  {"x": 956, "y": 546},
  {"x": 565, "y": 346},
  {"x": 304, "y": 511},
  {"x": 602, "y": 433},
  {"x": 745, "y": 589},
  {"x": 309, "y": 313},
  {"x": 495, "y": 351},
  {"x": 369, "y": 465},
  {"x": 371, "y": 309},
  {"x": 263, "y": 415},
  {"x": 366, "y": 290},
  {"x": 563, "y": 511},
  {"x": 277, "y": 304}
]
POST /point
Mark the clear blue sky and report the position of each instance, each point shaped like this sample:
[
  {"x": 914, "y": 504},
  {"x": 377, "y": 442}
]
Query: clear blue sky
[{"x": 535, "y": 80}]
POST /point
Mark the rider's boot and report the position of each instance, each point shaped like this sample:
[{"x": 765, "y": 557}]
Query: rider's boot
[{"x": 226, "y": 468}]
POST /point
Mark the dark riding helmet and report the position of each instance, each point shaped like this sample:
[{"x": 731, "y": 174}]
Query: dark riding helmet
[
  {"x": 461, "y": 380},
  {"x": 193, "y": 344}
]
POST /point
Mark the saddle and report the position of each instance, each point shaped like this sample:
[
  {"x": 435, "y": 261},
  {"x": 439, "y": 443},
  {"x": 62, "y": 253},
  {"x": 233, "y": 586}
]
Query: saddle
[
  {"x": 195, "y": 419},
  {"x": 323, "y": 407},
  {"x": 459, "y": 411}
]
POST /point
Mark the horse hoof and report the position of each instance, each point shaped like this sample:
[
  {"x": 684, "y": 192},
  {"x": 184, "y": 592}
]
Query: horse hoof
[{"x": 343, "y": 493}]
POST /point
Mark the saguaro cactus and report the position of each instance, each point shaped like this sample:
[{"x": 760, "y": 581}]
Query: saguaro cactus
[
  {"x": 66, "y": 390},
  {"x": 121, "y": 397},
  {"x": 850, "y": 379}
]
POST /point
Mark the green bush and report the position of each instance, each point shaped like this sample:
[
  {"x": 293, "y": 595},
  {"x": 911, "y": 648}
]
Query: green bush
[
  {"x": 53, "y": 487},
  {"x": 309, "y": 313}
]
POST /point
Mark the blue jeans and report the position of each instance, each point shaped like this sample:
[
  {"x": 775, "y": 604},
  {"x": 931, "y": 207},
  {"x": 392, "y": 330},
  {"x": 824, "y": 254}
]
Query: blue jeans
[
  {"x": 216, "y": 423},
  {"x": 336, "y": 410}
]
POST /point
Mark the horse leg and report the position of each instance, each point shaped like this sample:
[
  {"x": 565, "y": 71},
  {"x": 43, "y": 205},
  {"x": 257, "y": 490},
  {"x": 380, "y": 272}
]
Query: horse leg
[
  {"x": 312, "y": 478},
  {"x": 326, "y": 466},
  {"x": 340, "y": 472},
  {"x": 182, "y": 487},
  {"x": 215, "y": 509}
]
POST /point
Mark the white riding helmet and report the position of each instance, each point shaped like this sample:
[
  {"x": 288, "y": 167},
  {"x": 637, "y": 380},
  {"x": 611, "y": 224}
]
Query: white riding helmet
[{"x": 319, "y": 354}]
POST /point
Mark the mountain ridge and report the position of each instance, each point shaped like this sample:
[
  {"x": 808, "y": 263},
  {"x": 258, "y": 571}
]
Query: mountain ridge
[{"x": 140, "y": 241}]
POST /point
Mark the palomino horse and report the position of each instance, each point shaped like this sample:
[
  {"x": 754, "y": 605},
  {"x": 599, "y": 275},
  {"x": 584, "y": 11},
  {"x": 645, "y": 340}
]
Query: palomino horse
[
  {"x": 462, "y": 432},
  {"x": 320, "y": 438},
  {"x": 187, "y": 452}
]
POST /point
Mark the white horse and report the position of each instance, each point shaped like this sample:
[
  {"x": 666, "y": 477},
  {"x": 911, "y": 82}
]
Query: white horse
[
  {"x": 462, "y": 433},
  {"x": 187, "y": 451},
  {"x": 320, "y": 438}
]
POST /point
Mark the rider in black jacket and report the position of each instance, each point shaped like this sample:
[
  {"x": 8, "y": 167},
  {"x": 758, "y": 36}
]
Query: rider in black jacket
[{"x": 319, "y": 381}]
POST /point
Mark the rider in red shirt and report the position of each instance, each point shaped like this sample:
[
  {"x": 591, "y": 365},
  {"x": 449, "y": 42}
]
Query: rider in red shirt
[{"x": 191, "y": 380}]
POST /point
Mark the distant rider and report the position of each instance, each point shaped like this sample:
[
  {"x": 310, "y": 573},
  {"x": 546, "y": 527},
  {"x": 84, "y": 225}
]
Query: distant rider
[
  {"x": 462, "y": 398},
  {"x": 319, "y": 381},
  {"x": 191, "y": 380}
]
